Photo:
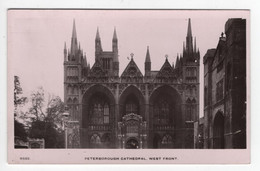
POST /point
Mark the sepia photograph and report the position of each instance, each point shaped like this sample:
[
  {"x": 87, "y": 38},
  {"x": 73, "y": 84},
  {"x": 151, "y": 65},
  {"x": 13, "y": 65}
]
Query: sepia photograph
[{"x": 136, "y": 86}]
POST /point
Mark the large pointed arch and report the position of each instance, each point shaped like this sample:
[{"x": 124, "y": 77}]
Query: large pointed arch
[
  {"x": 132, "y": 95},
  {"x": 218, "y": 131},
  {"x": 96, "y": 91},
  {"x": 98, "y": 106},
  {"x": 165, "y": 116}
]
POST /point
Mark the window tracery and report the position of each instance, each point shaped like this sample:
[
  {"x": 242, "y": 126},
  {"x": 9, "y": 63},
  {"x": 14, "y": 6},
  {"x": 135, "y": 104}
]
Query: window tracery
[
  {"x": 99, "y": 111},
  {"x": 162, "y": 112}
]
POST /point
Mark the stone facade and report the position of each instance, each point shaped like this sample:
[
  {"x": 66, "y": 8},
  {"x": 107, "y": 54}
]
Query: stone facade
[
  {"x": 154, "y": 110},
  {"x": 225, "y": 89}
]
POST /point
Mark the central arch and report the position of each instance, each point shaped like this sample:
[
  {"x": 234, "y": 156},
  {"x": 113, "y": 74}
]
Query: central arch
[{"x": 131, "y": 101}]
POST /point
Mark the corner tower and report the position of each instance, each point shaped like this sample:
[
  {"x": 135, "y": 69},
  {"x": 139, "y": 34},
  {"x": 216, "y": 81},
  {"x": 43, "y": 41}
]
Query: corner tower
[{"x": 188, "y": 69}]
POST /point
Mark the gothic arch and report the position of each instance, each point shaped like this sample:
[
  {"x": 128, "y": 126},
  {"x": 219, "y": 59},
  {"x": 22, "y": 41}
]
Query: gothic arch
[
  {"x": 69, "y": 101},
  {"x": 96, "y": 91},
  {"x": 173, "y": 97},
  {"x": 75, "y": 89},
  {"x": 98, "y": 114},
  {"x": 132, "y": 95},
  {"x": 95, "y": 140},
  {"x": 218, "y": 131},
  {"x": 75, "y": 100},
  {"x": 165, "y": 115}
]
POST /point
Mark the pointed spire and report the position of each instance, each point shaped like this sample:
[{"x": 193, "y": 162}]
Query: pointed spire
[
  {"x": 189, "y": 42},
  {"x": 147, "y": 59},
  {"x": 195, "y": 44},
  {"x": 65, "y": 48},
  {"x": 173, "y": 65},
  {"x": 74, "y": 42},
  {"x": 189, "y": 34},
  {"x": 114, "y": 35},
  {"x": 65, "y": 52},
  {"x": 74, "y": 34},
  {"x": 97, "y": 34},
  {"x": 177, "y": 62}
]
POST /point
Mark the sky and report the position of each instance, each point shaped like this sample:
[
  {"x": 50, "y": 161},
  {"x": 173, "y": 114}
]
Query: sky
[{"x": 36, "y": 39}]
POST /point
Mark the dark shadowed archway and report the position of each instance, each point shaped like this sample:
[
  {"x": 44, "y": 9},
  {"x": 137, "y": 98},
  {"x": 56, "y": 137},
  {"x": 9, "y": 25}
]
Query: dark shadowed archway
[
  {"x": 165, "y": 118},
  {"x": 98, "y": 108},
  {"x": 218, "y": 131},
  {"x": 131, "y": 101}
]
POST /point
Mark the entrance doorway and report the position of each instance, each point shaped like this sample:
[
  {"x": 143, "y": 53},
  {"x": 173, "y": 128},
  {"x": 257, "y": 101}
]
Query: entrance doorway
[
  {"x": 218, "y": 131},
  {"x": 132, "y": 144}
]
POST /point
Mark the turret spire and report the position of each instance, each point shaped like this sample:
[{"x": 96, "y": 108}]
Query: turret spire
[
  {"x": 195, "y": 44},
  {"x": 189, "y": 42},
  {"x": 147, "y": 63},
  {"x": 147, "y": 59},
  {"x": 65, "y": 52},
  {"x": 189, "y": 34},
  {"x": 74, "y": 42},
  {"x": 97, "y": 34},
  {"x": 98, "y": 46},
  {"x": 183, "y": 49},
  {"x": 114, "y": 35},
  {"x": 177, "y": 62},
  {"x": 65, "y": 48},
  {"x": 74, "y": 34}
]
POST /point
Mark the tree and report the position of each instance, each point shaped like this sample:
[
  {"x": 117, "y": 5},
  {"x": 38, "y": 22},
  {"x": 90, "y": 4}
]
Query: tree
[
  {"x": 19, "y": 100},
  {"x": 37, "y": 99},
  {"x": 47, "y": 124}
]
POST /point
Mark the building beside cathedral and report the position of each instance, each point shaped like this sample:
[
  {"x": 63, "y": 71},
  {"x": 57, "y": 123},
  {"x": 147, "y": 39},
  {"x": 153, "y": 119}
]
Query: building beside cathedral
[
  {"x": 131, "y": 110},
  {"x": 224, "y": 122}
]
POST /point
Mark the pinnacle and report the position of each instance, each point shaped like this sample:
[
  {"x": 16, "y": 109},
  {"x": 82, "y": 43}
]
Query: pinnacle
[
  {"x": 189, "y": 33},
  {"x": 114, "y": 35},
  {"x": 74, "y": 34},
  {"x": 97, "y": 35},
  {"x": 147, "y": 59}
]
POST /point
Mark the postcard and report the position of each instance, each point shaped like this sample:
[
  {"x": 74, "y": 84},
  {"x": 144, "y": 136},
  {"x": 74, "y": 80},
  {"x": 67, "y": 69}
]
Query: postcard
[{"x": 128, "y": 86}]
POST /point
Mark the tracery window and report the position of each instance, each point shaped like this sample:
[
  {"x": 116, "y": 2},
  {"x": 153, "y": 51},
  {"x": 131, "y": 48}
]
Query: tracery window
[
  {"x": 99, "y": 111},
  {"x": 131, "y": 105},
  {"x": 162, "y": 111},
  {"x": 167, "y": 139},
  {"x": 190, "y": 109},
  {"x": 95, "y": 139}
]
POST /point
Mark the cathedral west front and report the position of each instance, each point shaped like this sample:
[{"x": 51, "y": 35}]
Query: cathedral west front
[{"x": 133, "y": 110}]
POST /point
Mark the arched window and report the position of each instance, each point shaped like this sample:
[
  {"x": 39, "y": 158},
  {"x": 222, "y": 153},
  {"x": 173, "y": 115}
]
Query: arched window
[
  {"x": 131, "y": 105},
  {"x": 218, "y": 131},
  {"x": 188, "y": 110},
  {"x": 106, "y": 138},
  {"x": 69, "y": 100},
  {"x": 95, "y": 139},
  {"x": 162, "y": 112},
  {"x": 167, "y": 139},
  {"x": 99, "y": 110},
  {"x": 106, "y": 113}
]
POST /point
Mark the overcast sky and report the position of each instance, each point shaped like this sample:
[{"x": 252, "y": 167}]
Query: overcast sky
[{"x": 36, "y": 39}]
